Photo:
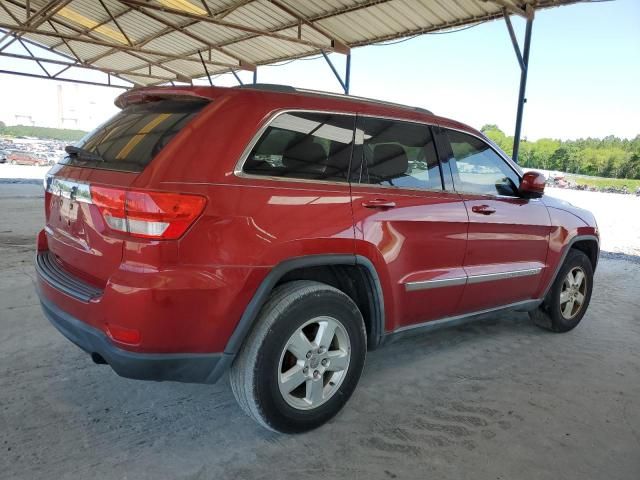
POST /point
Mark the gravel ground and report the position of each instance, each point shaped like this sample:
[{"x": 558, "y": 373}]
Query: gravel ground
[
  {"x": 496, "y": 399},
  {"x": 618, "y": 217}
]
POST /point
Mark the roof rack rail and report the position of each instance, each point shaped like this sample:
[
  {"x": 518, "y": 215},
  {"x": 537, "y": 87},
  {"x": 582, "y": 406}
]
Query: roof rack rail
[
  {"x": 271, "y": 87},
  {"x": 274, "y": 87}
]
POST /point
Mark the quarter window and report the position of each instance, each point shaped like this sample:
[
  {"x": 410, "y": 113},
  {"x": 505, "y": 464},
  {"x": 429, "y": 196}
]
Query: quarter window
[
  {"x": 477, "y": 168},
  {"x": 302, "y": 145},
  {"x": 398, "y": 154}
]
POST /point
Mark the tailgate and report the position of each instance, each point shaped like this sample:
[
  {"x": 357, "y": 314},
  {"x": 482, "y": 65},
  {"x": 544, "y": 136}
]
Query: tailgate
[
  {"x": 111, "y": 156},
  {"x": 76, "y": 231}
]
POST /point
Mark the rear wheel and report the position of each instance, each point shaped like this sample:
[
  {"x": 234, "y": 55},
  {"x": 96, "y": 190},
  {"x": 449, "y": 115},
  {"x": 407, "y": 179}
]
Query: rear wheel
[
  {"x": 13, "y": 162},
  {"x": 569, "y": 296},
  {"x": 303, "y": 360}
]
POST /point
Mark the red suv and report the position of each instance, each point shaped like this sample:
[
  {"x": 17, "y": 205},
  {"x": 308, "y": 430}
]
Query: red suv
[
  {"x": 25, "y": 158},
  {"x": 281, "y": 233}
]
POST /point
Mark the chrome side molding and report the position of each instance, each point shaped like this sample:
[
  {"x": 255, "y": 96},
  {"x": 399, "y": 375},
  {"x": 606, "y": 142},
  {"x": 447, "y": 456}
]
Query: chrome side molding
[
  {"x": 470, "y": 279},
  {"x": 428, "y": 284},
  {"x": 489, "y": 277}
]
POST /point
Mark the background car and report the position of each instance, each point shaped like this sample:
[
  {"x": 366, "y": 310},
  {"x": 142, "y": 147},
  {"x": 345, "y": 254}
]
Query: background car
[{"x": 24, "y": 158}]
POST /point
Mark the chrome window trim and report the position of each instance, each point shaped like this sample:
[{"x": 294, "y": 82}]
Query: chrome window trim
[
  {"x": 510, "y": 163},
  {"x": 290, "y": 179},
  {"x": 470, "y": 279},
  {"x": 514, "y": 166},
  {"x": 238, "y": 170},
  {"x": 400, "y": 189}
]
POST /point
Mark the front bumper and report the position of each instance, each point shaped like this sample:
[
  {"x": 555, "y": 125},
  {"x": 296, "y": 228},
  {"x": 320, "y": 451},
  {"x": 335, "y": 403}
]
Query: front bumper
[{"x": 192, "y": 368}]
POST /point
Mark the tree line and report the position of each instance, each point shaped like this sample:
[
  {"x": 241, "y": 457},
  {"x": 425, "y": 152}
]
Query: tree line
[
  {"x": 45, "y": 133},
  {"x": 610, "y": 156}
]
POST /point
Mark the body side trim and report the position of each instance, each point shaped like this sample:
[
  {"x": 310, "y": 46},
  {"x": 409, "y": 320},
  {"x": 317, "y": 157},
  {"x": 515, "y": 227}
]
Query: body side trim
[
  {"x": 428, "y": 284},
  {"x": 460, "y": 319},
  {"x": 470, "y": 279},
  {"x": 490, "y": 277}
]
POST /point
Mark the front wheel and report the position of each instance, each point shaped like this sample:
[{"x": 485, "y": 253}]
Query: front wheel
[
  {"x": 303, "y": 359},
  {"x": 569, "y": 296}
]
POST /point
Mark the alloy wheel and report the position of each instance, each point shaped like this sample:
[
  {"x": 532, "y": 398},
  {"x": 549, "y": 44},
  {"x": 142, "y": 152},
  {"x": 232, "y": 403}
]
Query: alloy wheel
[
  {"x": 314, "y": 363},
  {"x": 573, "y": 292}
]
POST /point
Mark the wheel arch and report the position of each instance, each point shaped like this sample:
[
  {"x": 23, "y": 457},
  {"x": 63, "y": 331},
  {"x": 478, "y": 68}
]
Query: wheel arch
[
  {"x": 588, "y": 244},
  {"x": 364, "y": 288},
  {"x": 590, "y": 247}
]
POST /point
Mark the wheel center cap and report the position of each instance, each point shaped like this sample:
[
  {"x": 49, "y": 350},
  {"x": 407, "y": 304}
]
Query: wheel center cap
[{"x": 314, "y": 362}]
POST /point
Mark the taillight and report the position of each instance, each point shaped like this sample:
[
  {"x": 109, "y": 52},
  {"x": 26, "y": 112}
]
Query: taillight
[{"x": 158, "y": 215}]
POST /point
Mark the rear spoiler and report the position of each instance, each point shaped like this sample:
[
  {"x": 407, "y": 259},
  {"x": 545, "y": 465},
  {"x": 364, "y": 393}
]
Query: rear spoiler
[{"x": 153, "y": 94}]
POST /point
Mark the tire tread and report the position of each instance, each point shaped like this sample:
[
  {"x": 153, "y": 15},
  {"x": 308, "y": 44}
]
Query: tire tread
[{"x": 243, "y": 369}]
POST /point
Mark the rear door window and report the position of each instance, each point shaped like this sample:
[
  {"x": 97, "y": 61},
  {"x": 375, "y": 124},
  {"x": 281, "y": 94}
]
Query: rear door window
[
  {"x": 397, "y": 154},
  {"x": 132, "y": 138},
  {"x": 312, "y": 146}
]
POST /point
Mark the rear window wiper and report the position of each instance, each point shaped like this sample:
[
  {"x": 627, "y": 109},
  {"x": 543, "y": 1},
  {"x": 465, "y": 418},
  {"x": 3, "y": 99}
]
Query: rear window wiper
[{"x": 82, "y": 154}]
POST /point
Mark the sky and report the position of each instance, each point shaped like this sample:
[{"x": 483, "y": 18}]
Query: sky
[{"x": 584, "y": 77}]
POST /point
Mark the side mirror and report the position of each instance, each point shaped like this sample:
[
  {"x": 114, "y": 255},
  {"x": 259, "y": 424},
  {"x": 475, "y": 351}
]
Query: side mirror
[{"x": 532, "y": 185}]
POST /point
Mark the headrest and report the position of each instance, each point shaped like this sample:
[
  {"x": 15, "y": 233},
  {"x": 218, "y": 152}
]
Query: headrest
[
  {"x": 338, "y": 161},
  {"x": 305, "y": 157},
  {"x": 389, "y": 161}
]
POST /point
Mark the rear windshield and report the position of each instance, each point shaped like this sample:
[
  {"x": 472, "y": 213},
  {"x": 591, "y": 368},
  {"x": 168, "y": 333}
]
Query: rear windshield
[{"x": 130, "y": 140}]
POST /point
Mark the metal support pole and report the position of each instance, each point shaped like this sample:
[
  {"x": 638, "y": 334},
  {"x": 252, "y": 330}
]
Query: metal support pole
[
  {"x": 205, "y": 68},
  {"x": 237, "y": 77},
  {"x": 255, "y": 76},
  {"x": 523, "y": 87},
  {"x": 347, "y": 75},
  {"x": 344, "y": 86}
]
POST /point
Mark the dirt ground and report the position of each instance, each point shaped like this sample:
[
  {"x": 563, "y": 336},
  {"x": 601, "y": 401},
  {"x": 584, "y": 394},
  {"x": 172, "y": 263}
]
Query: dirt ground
[{"x": 496, "y": 399}]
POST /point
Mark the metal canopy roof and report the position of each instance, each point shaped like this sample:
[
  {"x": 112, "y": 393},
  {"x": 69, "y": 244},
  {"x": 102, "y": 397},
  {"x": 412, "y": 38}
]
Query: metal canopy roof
[{"x": 148, "y": 42}]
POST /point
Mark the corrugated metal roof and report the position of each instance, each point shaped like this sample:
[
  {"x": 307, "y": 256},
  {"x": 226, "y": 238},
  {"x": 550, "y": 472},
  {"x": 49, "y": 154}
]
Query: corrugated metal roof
[{"x": 149, "y": 42}]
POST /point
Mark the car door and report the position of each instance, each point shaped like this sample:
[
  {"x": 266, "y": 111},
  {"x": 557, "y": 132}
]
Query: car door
[
  {"x": 508, "y": 235},
  {"x": 413, "y": 229}
]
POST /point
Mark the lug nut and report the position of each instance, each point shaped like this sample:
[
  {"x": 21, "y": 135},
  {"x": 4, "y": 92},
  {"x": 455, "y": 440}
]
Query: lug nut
[
  {"x": 316, "y": 374},
  {"x": 305, "y": 370},
  {"x": 325, "y": 362},
  {"x": 321, "y": 350},
  {"x": 309, "y": 354}
]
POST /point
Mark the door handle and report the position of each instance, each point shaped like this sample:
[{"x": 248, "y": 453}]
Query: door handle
[
  {"x": 378, "y": 203},
  {"x": 483, "y": 209}
]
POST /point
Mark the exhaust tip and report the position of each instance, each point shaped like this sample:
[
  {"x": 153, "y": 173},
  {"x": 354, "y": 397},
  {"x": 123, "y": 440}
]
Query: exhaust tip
[{"x": 97, "y": 358}]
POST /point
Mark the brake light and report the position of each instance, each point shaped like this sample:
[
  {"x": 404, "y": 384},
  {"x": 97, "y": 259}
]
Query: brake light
[{"x": 158, "y": 215}]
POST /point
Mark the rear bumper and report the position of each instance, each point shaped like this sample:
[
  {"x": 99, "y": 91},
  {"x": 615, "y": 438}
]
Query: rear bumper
[{"x": 192, "y": 368}]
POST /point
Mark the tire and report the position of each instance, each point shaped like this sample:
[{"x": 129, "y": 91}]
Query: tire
[
  {"x": 557, "y": 314},
  {"x": 13, "y": 162},
  {"x": 261, "y": 373}
]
